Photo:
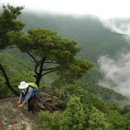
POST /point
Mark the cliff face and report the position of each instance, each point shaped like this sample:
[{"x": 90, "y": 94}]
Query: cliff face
[{"x": 12, "y": 118}]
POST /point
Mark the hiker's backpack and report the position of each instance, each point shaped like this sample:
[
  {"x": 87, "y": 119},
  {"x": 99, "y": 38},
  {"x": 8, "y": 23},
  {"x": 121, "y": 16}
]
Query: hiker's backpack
[{"x": 35, "y": 92}]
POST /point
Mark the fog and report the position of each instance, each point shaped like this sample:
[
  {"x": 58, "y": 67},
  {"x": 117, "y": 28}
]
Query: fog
[
  {"x": 116, "y": 73},
  {"x": 104, "y": 9},
  {"x": 121, "y": 26}
]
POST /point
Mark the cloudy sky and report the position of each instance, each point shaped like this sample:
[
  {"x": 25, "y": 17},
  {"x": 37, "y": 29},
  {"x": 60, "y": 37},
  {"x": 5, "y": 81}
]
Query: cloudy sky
[{"x": 103, "y": 8}]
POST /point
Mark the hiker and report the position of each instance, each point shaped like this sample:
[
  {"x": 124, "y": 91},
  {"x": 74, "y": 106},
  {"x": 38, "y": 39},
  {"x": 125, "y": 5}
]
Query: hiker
[{"x": 28, "y": 94}]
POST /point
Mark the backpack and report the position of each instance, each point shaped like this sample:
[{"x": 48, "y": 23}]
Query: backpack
[{"x": 35, "y": 92}]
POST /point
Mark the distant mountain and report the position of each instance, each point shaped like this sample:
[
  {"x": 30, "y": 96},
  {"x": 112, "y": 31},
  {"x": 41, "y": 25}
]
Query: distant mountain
[{"x": 93, "y": 38}]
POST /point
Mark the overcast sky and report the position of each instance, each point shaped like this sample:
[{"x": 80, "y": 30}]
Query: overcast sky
[{"x": 102, "y": 8}]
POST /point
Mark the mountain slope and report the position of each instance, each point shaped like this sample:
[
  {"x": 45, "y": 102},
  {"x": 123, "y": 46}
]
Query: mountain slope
[{"x": 93, "y": 38}]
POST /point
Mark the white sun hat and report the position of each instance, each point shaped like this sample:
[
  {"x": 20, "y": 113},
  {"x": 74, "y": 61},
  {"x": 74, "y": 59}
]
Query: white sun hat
[{"x": 23, "y": 85}]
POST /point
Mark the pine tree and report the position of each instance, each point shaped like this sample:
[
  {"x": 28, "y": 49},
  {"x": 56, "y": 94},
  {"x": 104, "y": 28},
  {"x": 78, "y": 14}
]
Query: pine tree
[
  {"x": 51, "y": 52},
  {"x": 8, "y": 22}
]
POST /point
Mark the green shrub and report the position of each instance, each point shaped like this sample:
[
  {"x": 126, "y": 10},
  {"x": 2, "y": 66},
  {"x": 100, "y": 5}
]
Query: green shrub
[
  {"x": 97, "y": 120},
  {"x": 49, "y": 121},
  {"x": 73, "y": 116}
]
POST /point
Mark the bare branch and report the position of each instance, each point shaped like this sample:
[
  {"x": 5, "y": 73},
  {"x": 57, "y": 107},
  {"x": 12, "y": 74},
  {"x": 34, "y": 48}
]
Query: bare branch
[
  {"x": 49, "y": 72},
  {"x": 32, "y": 57},
  {"x": 7, "y": 80},
  {"x": 50, "y": 69},
  {"x": 51, "y": 62}
]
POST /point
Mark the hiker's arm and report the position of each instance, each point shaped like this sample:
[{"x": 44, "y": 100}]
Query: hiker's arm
[
  {"x": 30, "y": 90},
  {"x": 20, "y": 98}
]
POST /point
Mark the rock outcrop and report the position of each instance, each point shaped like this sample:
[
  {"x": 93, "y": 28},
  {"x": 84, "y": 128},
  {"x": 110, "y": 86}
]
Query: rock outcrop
[{"x": 12, "y": 118}]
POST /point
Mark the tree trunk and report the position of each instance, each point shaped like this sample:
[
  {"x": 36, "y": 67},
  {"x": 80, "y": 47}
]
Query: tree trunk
[
  {"x": 39, "y": 74},
  {"x": 38, "y": 79},
  {"x": 7, "y": 81}
]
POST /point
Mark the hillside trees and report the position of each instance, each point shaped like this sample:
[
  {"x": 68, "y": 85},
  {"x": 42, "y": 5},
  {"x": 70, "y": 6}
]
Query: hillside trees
[
  {"x": 50, "y": 53},
  {"x": 73, "y": 116},
  {"x": 49, "y": 121},
  {"x": 8, "y": 22}
]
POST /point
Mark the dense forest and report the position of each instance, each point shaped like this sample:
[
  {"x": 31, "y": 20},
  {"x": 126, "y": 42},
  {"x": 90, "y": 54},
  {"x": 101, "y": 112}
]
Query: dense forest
[{"x": 59, "y": 54}]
